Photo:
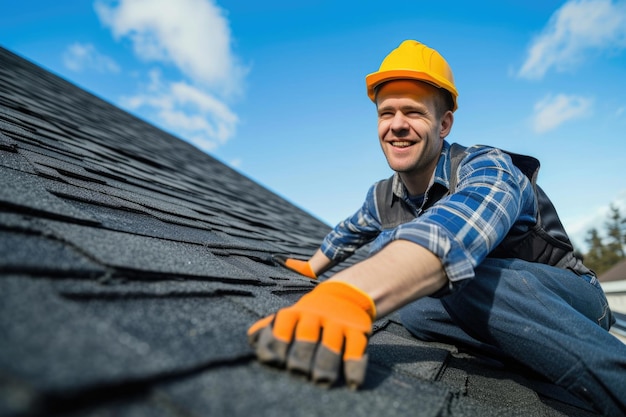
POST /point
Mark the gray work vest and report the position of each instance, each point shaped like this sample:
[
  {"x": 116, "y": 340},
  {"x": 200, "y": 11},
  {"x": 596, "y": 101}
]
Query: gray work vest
[{"x": 546, "y": 242}]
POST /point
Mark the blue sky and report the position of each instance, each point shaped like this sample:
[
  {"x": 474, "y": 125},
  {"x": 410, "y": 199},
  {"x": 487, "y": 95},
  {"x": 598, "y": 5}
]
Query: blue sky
[{"x": 276, "y": 89}]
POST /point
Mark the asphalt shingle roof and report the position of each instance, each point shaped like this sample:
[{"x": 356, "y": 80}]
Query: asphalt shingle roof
[{"x": 131, "y": 265}]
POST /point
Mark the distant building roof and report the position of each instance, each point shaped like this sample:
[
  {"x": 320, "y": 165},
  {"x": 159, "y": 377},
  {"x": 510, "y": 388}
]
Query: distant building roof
[
  {"x": 616, "y": 273},
  {"x": 132, "y": 264}
]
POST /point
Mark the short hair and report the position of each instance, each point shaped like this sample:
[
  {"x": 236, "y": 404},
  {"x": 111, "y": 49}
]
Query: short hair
[{"x": 443, "y": 102}]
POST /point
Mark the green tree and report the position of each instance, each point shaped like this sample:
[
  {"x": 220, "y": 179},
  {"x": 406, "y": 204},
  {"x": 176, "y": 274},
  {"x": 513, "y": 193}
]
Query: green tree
[
  {"x": 595, "y": 257},
  {"x": 605, "y": 252},
  {"x": 615, "y": 234}
]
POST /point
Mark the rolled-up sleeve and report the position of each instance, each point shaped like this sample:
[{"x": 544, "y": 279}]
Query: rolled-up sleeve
[
  {"x": 462, "y": 228},
  {"x": 354, "y": 232}
]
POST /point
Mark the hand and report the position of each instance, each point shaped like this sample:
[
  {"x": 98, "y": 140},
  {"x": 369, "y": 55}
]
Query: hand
[
  {"x": 338, "y": 312},
  {"x": 301, "y": 267}
]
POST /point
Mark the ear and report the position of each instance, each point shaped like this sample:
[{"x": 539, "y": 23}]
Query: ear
[{"x": 447, "y": 120}]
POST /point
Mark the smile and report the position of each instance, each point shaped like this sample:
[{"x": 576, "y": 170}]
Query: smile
[{"x": 403, "y": 144}]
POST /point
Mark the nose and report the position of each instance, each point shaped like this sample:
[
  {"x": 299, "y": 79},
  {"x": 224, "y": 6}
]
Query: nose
[{"x": 399, "y": 123}]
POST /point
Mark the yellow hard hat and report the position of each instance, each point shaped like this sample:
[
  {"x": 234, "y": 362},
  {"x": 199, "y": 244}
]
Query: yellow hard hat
[{"x": 415, "y": 61}]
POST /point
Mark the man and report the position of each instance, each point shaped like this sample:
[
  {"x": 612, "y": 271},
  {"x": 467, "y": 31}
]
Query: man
[{"x": 457, "y": 248}]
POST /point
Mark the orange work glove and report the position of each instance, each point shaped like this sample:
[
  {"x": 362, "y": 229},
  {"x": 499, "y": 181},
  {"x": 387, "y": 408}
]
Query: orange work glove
[
  {"x": 301, "y": 267},
  {"x": 326, "y": 328}
]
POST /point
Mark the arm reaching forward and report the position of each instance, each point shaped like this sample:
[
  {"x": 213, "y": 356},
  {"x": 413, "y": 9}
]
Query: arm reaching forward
[{"x": 326, "y": 332}]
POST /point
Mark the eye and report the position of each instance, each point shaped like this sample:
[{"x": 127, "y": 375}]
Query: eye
[{"x": 414, "y": 113}]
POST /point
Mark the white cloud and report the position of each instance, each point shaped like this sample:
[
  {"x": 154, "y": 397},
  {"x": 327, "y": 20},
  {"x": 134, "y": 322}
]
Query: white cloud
[
  {"x": 552, "y": 111},
  {"x": 190, "y": 112},
  {"x": 82, "y": 56},
  {"x": 193, "y": 35},
  {"x": 574, "y": 30},
  {"x": 578, "y": 228}
]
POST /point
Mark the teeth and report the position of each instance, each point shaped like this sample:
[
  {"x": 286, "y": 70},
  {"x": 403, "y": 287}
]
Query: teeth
[{"x": 401, "y": 144}]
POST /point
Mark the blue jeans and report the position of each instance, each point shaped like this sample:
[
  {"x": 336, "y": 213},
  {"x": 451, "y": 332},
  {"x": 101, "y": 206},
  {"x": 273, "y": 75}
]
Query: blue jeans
[{"x": 547, "y": 319}]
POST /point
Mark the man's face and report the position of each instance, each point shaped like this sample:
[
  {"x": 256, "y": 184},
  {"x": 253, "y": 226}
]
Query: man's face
[{"x": 410, "y": 132}]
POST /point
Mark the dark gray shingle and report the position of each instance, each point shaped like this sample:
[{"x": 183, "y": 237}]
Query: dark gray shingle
[{"x": 131, "y": 265}]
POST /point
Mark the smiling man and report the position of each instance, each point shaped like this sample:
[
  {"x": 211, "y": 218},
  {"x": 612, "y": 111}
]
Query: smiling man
[
  {"x": 463, "y": 243},
  {"x": 412, "y": 121}
]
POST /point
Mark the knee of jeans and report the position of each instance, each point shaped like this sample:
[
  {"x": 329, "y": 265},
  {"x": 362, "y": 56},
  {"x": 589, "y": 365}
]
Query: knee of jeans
[
  {"x": 420, "y": 318},
  {"x": 610, "y": 319},
  {"x": 411, "y": 324}
]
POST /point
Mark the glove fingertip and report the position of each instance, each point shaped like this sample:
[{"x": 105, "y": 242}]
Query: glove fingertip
[
  {"x": 270, "y": 350},
  {"x": 279, "y": 259},
  {"x": 255, "y": 330},
  {"x": 326, "y": 366},
  {"x": 355, "y": 371},
  {"x": 300, "y": 357}
]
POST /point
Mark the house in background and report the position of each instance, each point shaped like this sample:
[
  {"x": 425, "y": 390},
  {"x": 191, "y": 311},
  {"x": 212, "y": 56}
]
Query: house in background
[
  {"x": 613, "y": 283},
  {"x": 131, "y": 265},
  {"x": 616, "y": 273}
]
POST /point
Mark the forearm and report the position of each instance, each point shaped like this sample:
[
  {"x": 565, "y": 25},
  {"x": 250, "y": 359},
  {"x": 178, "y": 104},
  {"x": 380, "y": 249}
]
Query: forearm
[
  {"x": 320, "y": 263},
  {"x": 342, "y": 310},
  {"x": 400, "y": 273}
]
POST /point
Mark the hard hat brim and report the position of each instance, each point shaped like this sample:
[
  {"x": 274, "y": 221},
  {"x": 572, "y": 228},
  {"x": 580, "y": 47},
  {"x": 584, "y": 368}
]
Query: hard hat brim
[{"x": 377, "y": 78}]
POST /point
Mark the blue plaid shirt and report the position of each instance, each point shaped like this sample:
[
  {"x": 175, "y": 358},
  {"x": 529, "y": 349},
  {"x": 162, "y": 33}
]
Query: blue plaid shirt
[{"x": 492, "y": 197}]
